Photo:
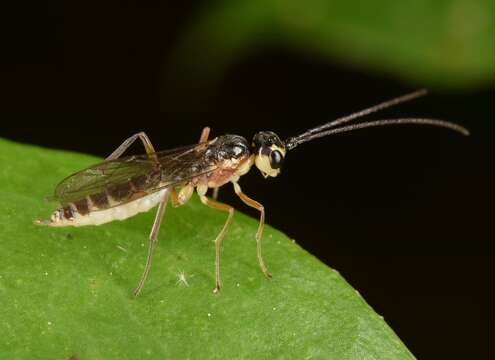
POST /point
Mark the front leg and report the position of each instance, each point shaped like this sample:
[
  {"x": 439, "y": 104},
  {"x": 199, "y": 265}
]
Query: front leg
[{"x": 259, "y": 234}]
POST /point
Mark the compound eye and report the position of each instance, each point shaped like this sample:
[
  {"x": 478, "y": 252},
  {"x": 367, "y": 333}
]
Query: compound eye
[{"x": 276, "y": 159}]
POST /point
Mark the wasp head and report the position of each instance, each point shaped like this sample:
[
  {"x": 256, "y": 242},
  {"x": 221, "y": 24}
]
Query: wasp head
[{"x": 269, "y": 152}]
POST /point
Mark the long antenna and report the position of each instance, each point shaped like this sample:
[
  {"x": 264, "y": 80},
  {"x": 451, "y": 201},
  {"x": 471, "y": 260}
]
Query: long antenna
[
  {"x": 318, "y": 131},
  {"x": 293, "y": 142},
  {"x": 370, "y": 110}
]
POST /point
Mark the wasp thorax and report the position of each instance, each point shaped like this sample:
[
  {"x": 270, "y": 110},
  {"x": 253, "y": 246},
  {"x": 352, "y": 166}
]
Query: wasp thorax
[
  {"x": 269, "y": 152},
  {"x": 228, "y": 147}
]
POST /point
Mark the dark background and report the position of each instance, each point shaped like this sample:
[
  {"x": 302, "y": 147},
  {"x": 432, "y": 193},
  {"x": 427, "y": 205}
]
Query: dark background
[{"x": 403, "y": 213}]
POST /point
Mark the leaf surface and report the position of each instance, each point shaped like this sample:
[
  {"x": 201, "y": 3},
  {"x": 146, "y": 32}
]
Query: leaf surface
[{"x": 68, "y": 291}]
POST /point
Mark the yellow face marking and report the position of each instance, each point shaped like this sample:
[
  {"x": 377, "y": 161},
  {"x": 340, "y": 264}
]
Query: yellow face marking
[
  {"x": 262, "y": 162},
  {"x": 280, "y": 149}
]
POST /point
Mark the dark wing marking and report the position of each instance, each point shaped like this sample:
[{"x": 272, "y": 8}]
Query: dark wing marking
[
  {"x": 184, "y": 165},
  {"x": 174, "y": 166},
  {"x": 95, "y": 179}
]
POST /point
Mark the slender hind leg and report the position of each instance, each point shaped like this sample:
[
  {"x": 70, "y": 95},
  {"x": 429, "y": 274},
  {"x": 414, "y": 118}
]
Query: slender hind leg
[
  {"x": 152, "y": 241},
  {"x": 150, "y": 150},
  {"x": 223, "y": 207},
  {"x": 254, "y": 204},
  {"x": 148, "y": 146}
]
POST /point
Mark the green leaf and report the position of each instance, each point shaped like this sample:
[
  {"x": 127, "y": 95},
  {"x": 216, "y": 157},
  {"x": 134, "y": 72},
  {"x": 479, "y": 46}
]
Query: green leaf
[
  {"x": 68, "y": 291},
  {"x": 443, "y": 43}
]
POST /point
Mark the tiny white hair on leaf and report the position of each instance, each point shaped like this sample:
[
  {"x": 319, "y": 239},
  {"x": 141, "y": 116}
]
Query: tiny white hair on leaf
[{"x": 181, "y": 278}]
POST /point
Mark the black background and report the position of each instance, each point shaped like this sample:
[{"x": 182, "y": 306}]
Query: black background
[{"x": 404, "y": 213}]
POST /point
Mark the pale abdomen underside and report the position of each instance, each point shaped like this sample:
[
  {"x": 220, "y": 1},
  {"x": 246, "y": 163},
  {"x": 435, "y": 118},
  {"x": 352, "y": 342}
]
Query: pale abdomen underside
[
  {"x": 116, "y": 202},
  {"x": 71, "y": 216}
]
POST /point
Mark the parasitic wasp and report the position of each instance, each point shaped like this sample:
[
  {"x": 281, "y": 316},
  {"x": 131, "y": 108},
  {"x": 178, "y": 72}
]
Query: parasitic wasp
[{"x": 121, "y": 187}]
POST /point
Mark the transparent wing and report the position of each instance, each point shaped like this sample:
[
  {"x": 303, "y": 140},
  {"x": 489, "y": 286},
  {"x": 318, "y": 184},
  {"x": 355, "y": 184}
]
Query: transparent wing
[{"x": 173, "y": 167}]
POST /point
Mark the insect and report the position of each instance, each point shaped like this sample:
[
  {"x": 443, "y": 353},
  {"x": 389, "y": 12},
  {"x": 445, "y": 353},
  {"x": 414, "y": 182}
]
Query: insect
[{"x": 121, "y": 187}]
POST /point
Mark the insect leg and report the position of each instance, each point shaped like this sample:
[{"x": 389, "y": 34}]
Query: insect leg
[
  {"x": 223, "y": 207},
  {"x": 185, "y": 194},
  {"x": 150, "y": 150},
  {"x": 254, "y": 204},
  {"x": 204, "y": 135},
  {"x": 215, "y": 193},
  {"x": 175, "y": 199},
  {"x": 152, "y": 241}
]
